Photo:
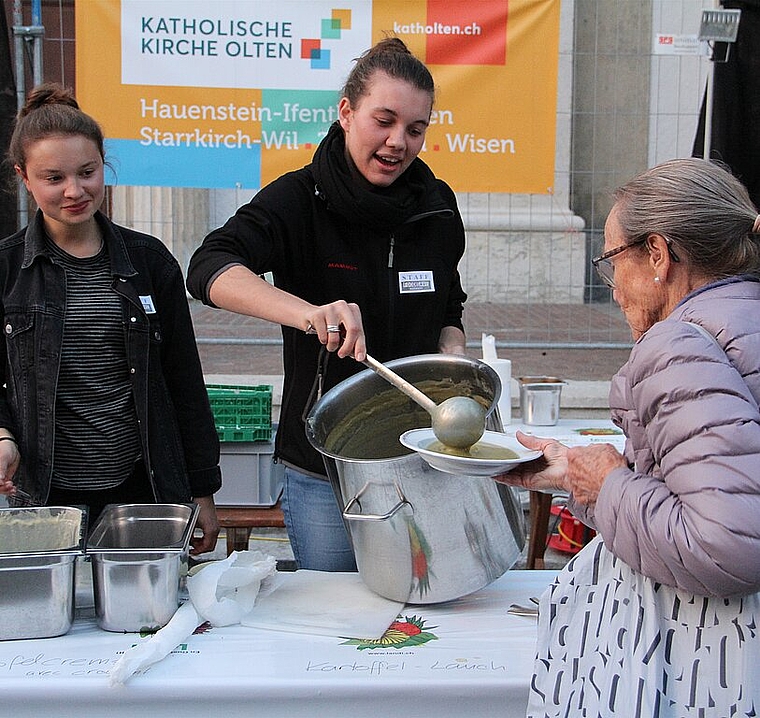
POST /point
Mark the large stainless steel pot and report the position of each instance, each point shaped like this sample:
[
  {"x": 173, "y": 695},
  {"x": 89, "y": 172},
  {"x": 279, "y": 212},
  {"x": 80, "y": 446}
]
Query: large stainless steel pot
[{"x": 419, "y": 535}]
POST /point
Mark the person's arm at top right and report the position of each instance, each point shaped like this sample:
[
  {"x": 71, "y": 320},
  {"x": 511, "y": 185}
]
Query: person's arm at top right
[{"x": 452, "y": 339}]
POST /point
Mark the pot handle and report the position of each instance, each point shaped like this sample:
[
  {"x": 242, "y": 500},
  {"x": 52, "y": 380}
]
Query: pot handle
[{"x": 373, "y": 517}]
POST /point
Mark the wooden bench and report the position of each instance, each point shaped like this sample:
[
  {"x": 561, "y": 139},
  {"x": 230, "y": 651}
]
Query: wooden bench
[{"x": 237, "y": 521}]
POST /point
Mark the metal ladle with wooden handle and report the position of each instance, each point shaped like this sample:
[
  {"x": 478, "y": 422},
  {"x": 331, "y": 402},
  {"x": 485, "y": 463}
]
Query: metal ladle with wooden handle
[{"x": 458, "y": 421}]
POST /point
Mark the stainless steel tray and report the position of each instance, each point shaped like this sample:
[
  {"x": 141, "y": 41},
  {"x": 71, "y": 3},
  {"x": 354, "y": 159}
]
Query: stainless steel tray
[
  {"x": 139, "y": 556},
  {"x": 142, "y": 528},
  {"x": 40, "y": 547}
]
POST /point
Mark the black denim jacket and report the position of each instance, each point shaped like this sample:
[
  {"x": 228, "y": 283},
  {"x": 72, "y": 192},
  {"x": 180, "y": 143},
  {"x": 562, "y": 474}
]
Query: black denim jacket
[{"x": 177, "y": 433}]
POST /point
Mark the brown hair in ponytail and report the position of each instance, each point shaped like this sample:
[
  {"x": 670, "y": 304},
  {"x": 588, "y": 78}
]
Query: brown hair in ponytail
[
  {"x": 392, "y": 57},
  {"x": 50, "y": 109}
]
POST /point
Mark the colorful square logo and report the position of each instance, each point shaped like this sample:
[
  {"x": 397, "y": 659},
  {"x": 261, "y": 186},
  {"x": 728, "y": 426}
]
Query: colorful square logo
[{"x": 331, "y": 28}]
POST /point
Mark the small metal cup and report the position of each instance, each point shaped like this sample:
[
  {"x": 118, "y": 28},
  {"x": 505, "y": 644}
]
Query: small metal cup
[{"x": 540, "y": 399}]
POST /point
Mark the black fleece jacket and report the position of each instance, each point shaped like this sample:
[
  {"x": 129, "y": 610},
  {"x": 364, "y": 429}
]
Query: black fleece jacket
[{"x": 325, "y": 236}]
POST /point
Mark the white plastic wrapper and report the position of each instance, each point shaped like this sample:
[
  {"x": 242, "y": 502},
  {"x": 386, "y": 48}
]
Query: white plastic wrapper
[{"x": 222, "y": 593}]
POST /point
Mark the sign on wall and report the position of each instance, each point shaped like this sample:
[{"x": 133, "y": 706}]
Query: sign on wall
[{"x": 232, "y": 93}]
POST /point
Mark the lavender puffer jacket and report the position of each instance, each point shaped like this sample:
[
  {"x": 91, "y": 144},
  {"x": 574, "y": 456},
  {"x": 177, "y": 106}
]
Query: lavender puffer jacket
[{"x": 688, "y": 513}]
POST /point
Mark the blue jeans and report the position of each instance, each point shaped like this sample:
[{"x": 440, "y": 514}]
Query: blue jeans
[{"x": 314, "y": 520}]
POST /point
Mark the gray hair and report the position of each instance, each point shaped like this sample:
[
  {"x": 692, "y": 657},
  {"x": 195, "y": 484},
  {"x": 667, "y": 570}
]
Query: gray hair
[{"x": 701, "y": 208}]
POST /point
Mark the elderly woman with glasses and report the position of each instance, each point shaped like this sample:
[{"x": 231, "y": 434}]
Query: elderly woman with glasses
[{"x": 660, "y": 614}]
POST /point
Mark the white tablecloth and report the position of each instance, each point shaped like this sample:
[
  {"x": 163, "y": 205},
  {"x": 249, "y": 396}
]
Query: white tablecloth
[
  {"x": 575, "y": 432},
  {"x": 476, "y": 660}
]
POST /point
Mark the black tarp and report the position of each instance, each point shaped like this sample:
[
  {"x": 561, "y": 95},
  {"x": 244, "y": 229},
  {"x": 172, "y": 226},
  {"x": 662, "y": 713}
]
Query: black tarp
[
  {"x": 735, "y": 136},
  {"x": 8, "y": 209}
]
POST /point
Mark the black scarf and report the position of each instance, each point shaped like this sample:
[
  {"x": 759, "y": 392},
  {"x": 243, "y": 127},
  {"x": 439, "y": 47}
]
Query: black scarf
[{"x": 384, "y": 208}]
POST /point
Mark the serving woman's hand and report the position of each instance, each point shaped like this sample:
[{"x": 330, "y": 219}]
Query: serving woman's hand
[
  {"x": 338, "y": 324},
  {"x": 339, "y": 327}
]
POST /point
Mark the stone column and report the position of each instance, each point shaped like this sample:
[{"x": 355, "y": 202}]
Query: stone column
[
  {"x": 176, "y": 215},
  {"x": 530, "y": 248}
]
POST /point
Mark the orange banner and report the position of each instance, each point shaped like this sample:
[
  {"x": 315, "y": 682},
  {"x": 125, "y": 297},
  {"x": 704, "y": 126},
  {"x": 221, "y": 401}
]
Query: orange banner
[{"x": 233, "y": 94}]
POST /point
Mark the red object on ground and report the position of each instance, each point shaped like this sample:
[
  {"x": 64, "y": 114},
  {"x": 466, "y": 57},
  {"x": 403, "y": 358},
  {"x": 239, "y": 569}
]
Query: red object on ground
[{"x": 572, "y": 535}]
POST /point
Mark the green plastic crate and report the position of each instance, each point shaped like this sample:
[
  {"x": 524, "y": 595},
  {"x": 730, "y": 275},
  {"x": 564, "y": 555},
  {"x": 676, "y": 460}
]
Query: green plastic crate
[{"x": 242, "y": 413}]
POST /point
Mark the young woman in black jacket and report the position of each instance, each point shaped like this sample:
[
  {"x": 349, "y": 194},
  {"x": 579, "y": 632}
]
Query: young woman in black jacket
[
  {"x": 363, "y": 245},
  {"x": 102, "y": 398}
]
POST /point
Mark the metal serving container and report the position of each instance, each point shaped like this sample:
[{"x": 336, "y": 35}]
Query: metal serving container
[
  {"x": 39, "y": 547},
  {"x": 540, "y": 399},
  {"x": 139, "y": 555},
  {"x": 419, "y": 535}
]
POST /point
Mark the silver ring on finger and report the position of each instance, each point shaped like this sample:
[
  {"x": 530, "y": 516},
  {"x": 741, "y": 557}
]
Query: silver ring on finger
[{"x": 333, "y": 329}]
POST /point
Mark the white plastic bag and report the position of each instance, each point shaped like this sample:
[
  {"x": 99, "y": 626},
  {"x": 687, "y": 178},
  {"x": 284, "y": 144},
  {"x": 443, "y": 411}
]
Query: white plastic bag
[{"x": 221, "y": 592}]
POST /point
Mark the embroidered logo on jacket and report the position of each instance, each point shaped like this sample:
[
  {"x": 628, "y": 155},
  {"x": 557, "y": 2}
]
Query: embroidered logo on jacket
[{"x": 342, "y": 265}]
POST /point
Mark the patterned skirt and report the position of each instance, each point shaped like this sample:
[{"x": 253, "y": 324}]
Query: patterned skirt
[{"x": 612, "y": 642}]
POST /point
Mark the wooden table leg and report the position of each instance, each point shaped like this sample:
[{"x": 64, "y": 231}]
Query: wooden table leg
[
  {"x": 540, "y": 511},
  {"x": 237, "y": 538},
  {"x": 238, "y": 521}
]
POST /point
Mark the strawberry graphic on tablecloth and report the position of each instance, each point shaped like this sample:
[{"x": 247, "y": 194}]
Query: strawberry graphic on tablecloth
[{"x": 404, "y": 632}]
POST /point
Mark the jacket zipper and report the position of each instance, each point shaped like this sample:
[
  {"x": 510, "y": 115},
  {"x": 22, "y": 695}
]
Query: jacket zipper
[{"x": 391, "y": 302}]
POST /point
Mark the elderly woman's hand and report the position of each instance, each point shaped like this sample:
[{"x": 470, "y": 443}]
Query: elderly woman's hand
[
  {"x": 588, "y": 467},
  {"x": 547, "y": 473},
  {"x": 580, "y": 470}
]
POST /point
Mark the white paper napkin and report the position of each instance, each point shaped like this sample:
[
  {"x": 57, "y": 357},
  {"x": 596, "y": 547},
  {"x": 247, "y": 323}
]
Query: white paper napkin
[
  {"x": 325, "y": 604},
  {"x": 488, "y": 343}
]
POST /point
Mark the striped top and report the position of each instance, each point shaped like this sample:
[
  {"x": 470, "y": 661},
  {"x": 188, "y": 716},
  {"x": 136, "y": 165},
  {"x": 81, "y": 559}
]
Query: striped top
[{"x": 96, "y": 434}]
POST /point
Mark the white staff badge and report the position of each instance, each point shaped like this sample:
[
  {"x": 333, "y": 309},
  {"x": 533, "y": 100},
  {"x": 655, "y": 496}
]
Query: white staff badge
[
  {"x": 415, "y": 282},
  {"x": 147, "y": 302}
]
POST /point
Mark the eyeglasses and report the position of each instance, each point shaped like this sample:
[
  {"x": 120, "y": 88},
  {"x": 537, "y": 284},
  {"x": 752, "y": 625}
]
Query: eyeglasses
[{"x": 606, "y": 270}]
